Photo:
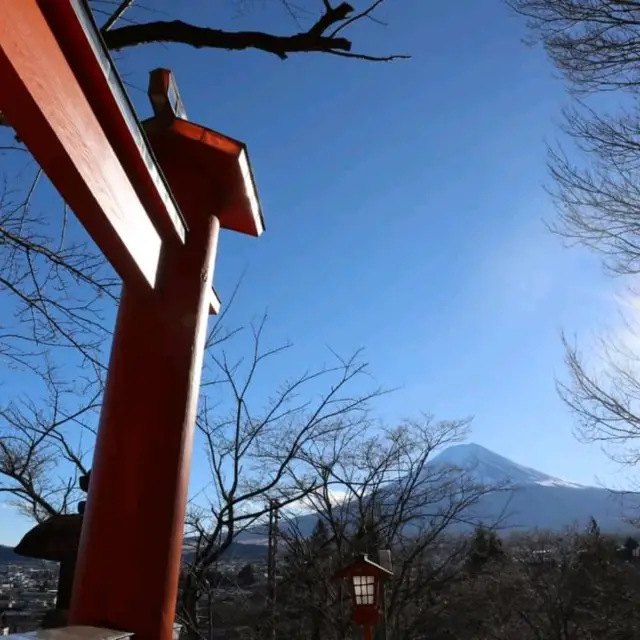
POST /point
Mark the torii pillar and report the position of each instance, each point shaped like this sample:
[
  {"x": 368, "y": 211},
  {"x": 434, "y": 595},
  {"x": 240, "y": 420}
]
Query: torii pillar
[
  {"x": 131, "y": 546},
  {"x": 62, "y": 95}
]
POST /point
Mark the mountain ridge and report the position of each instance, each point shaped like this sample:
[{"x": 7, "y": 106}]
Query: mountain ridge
[
  {"x": 535, "y": 500},
  {"x": 492, "y": 468},
  {"x": 528, "y": 499}
]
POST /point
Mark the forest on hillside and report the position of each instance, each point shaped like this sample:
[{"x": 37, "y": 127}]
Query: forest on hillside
[{"x": 578, "y": 585}]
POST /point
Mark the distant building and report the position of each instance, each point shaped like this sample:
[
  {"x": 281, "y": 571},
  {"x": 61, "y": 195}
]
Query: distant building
[{"x": 20, "y": 621}]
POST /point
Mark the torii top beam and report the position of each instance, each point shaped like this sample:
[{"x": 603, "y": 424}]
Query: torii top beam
[
  {"x": 60, "y": 93},
  {"x": 216, "y": 163}
]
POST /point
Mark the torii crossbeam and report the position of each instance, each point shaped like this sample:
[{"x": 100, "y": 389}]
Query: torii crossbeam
[{"x": 60, "y": 92}]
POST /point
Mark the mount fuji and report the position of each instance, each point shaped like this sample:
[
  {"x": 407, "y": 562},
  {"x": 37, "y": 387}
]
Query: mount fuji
[
  {"x": 536, "y": 500},
  {"x": 528, "y": 498},
  {"x": 487, "y": 467}
]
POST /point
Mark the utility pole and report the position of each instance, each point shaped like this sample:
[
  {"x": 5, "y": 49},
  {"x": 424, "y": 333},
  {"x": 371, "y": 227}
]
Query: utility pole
[
  {"x": 272, "y": 553},
  {"x": 384, "y": 560}
]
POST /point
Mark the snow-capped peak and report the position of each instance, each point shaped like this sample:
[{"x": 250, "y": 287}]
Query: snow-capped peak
[{"x": 487, "y": 467}]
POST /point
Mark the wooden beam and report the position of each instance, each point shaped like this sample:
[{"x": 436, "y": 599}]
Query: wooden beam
[{"x": 43, "y": 102}]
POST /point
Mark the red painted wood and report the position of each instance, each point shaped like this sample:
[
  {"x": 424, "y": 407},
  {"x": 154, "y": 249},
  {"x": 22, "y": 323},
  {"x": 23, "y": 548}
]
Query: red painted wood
[
  {"x": 214, "y": 164},
  {"x": 98, "y": 83},
  {"x": 130, "y": 551},
  {"x": 43, "y": 101}
]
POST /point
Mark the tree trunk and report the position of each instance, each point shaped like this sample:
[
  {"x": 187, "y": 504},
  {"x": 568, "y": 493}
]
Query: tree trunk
[{"x": 188, "y": 607}]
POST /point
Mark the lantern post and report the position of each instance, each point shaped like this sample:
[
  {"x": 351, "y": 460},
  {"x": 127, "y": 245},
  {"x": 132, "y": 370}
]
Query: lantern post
[{"x": 365, "y": 581}]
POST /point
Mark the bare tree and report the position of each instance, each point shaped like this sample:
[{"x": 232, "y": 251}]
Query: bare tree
[
  {"x": 595, "y": 44},
  {"x": 598, "y": 200},
  {"x": 606, "y": 403},
  {"x": 40, "y": 459},
  {"x": 384, "y": 492},
  {"x": 57, "y": 287},
  {"x": 258, "y": 452},
  {"x": 568, "y": 585},
  {"x": 55, "y": 291}
]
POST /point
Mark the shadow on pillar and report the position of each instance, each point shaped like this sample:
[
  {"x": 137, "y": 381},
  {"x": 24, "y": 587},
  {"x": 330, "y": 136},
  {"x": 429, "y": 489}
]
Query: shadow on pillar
[{"x": 57, "y": 539}]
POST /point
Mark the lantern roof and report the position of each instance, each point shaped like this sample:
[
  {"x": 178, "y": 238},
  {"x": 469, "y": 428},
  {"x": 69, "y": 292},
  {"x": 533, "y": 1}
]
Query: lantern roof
[
  {"x": 363, "y": 566},
  {"x": 54, "y": 539}
]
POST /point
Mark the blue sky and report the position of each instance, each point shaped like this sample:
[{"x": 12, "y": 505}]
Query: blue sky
[{"x": 404, "y": 205}]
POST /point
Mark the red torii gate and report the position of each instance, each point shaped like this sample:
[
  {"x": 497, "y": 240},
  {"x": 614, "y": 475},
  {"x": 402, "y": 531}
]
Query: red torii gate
[{"x": 61, "y": 94}]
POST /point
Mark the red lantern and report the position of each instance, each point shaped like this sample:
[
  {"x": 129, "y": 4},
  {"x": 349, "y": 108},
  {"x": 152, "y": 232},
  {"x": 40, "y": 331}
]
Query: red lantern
[{"x": 365, "y": 579}]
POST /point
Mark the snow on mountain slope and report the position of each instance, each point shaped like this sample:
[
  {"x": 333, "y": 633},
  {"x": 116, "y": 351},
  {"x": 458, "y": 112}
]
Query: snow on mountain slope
[
  {"x": 531, "y": 499},
  {"x": 487, "y": 467},
  {"x": 535, "y": 499}
]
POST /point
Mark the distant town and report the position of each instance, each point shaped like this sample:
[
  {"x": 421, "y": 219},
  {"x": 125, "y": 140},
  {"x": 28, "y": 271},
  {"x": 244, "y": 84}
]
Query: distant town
[{"x": 28, "y": 590}]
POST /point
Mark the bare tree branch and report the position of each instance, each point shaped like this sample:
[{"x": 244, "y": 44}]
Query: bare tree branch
[
  {"x": 595, "y": 44},
  {"x": 116, "y": 15},
  {"x": 318, "y": 38},
  {"x": 606, "y": 406},
  {"x": 257, "y": 452}
]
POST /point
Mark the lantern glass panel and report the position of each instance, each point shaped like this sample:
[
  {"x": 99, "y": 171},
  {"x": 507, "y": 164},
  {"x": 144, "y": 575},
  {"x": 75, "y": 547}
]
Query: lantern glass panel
[{"x": 364, "y": 589}]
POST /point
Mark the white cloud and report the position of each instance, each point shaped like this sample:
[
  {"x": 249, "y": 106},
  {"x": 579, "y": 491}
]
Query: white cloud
[{"x": 311, "y": 504}]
